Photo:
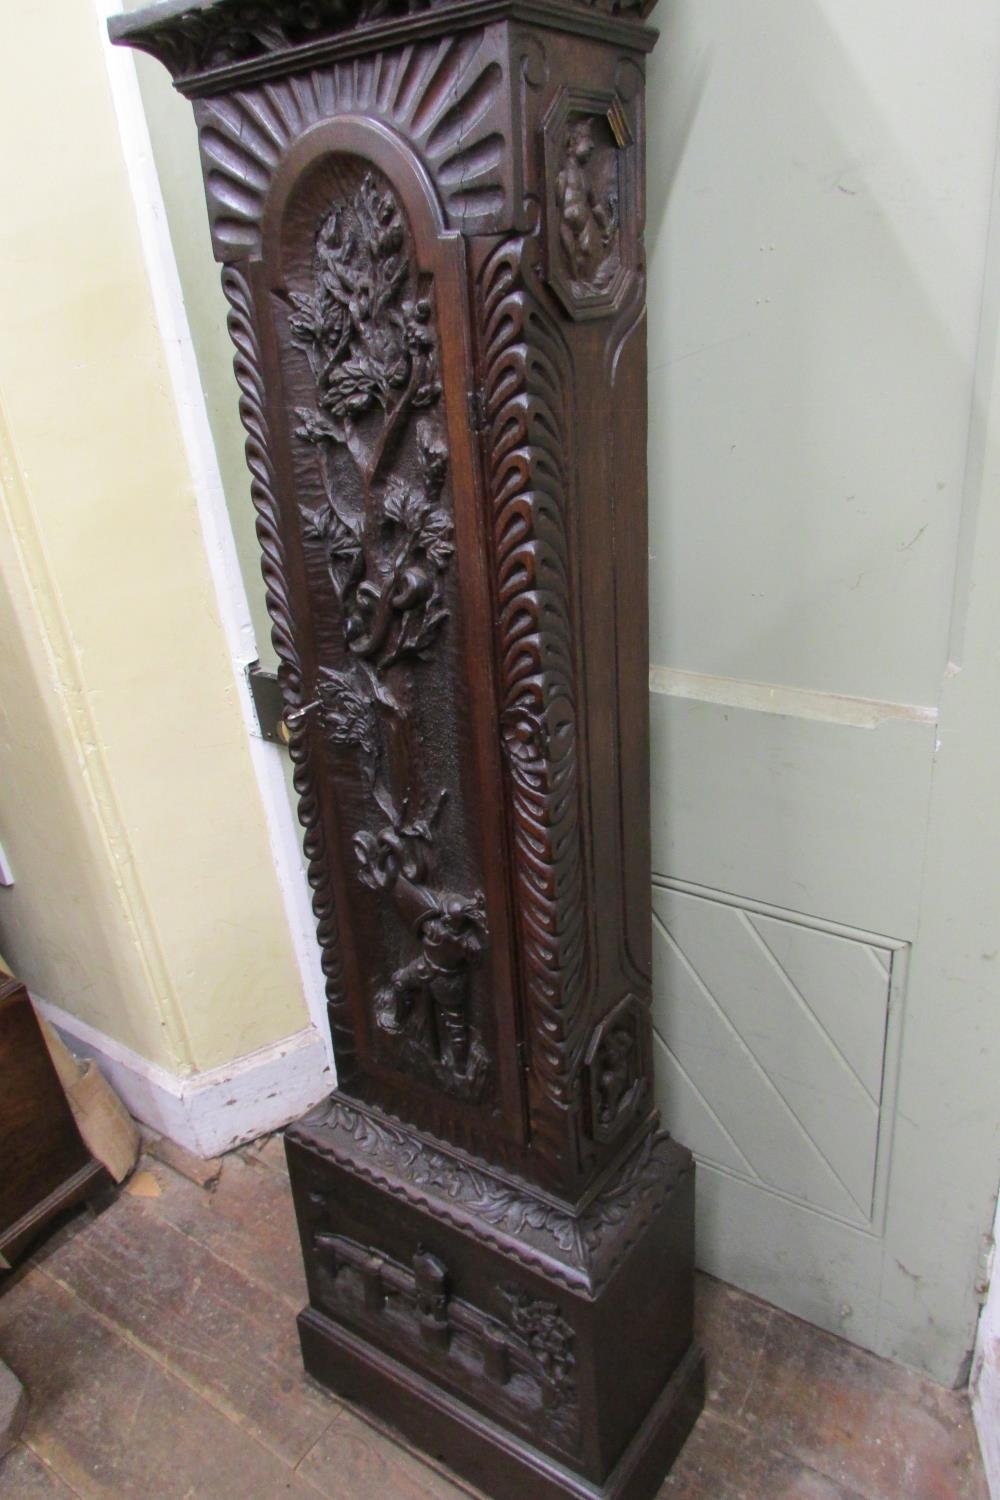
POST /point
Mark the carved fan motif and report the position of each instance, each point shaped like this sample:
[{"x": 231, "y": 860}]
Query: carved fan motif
[{"x": 443, "y": 96}]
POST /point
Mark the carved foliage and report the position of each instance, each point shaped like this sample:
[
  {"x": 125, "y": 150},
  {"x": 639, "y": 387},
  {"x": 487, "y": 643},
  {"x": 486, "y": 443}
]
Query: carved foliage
[
  {"x": 578, "y": 1250},
  {"x": 525, "y": 378},
  {"x": 233, "y": 31},
  {"x": 366, "y": 330},
  {"x": 551, "y": 1341},
  {"x": 368, "y": 336}
]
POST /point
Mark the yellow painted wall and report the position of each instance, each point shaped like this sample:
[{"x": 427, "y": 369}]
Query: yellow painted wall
[{"x": 145, "y": 900}]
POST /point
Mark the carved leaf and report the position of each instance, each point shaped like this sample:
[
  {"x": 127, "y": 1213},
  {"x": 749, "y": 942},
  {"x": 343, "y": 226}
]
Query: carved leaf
[
  {"x": 306, "y": 323},
  {"x": 402, "y": 504},
  {"x": 341, "y": 544},
  {"x": 316, "y": 428},
  {"x": 347, "y": 716},
  {"x": 435, "y": 537}
]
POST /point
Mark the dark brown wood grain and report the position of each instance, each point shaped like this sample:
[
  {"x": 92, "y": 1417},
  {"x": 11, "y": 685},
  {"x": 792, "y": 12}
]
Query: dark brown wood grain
[
  {"x": 44, "y": 1165},
  {"x": 430, "y": 222}
]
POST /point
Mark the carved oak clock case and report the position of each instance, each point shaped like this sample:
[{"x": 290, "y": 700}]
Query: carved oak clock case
[{"x": 429, "y": 218}]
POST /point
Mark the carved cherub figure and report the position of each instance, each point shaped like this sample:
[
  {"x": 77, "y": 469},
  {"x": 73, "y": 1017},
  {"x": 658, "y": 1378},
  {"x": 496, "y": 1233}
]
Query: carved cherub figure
[{"x": 587, "y": 223}]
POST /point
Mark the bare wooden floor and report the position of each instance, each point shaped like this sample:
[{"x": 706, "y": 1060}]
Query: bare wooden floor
[{"x": 158, "y": 1343}]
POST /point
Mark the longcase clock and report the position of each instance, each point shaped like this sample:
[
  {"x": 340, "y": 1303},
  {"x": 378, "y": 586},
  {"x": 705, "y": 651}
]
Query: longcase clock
[{"x": 429, "y": 218}]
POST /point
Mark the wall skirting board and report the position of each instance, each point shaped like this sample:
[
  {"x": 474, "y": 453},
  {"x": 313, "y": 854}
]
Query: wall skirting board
[{"x": 213, "y": 1111}]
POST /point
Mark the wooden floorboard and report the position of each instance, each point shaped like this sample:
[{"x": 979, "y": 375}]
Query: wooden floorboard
[
  {"x": 24, "y": 1475},
  {"x": 230, "y": 1338},
  {"x": 246, "y": 1219},
  {"x": 113, "y": 1423},
  {"x": 159, "y": 1349}
]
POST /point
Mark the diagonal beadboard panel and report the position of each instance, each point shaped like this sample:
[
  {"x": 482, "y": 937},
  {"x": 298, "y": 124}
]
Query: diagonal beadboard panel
[
  {"x": 845, "y": 984},
  {"x": 696, "y": 1029},
  {"x": 692, "y": 1117},
  {"x": 807, "y": 1010},
  {"x": 774, "y": 1019},
  {"x": 780, "y": 1029}
]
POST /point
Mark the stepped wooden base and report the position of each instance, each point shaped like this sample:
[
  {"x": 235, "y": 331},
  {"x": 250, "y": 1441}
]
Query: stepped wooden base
[
  {"x": 496, "y": 1461},
  {"x": 537, "y": 1352}
]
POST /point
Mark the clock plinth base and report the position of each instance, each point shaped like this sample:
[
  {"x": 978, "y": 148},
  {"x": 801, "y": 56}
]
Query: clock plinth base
[
  {"x": 537, "y": 1351},
  {"x": 493, "y": 1459}
]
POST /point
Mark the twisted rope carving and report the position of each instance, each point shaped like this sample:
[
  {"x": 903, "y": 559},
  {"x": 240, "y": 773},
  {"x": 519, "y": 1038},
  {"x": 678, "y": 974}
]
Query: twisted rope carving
[
  {"x": 524, "y": 377},
  {"x": 263, "y": 492}
]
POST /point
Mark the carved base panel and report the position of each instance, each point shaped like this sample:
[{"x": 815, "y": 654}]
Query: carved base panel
[{"x": 536, "y": 1351}]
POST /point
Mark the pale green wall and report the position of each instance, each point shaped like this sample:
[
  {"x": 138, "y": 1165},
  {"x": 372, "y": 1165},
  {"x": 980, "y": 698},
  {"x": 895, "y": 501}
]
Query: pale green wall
[
  {"x": 818, "y": 201},
  {"x": 821, "y": 181}
]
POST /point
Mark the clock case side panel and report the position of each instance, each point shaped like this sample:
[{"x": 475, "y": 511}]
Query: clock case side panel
[{"x": 562, "y": 401}]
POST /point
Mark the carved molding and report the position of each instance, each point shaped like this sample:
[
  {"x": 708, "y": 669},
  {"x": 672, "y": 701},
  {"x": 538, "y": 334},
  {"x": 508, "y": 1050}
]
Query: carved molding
[
  {"x": 526, "y": 441},
  {"x": 219, "y": 33},
  {"x": 579, "y": 1251}
]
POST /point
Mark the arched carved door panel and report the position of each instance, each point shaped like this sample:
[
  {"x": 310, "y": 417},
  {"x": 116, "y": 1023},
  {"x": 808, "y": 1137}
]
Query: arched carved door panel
[{"x": 362, "y": 293}]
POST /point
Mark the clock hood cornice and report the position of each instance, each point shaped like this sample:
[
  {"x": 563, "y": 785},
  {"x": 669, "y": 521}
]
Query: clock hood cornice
[{"x": 209, "y": 45}]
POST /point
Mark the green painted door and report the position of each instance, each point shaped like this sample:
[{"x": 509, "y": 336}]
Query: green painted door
[{"x": 823, "y": 820}]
